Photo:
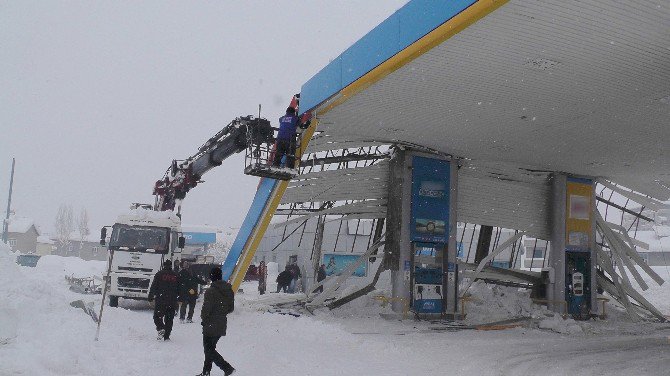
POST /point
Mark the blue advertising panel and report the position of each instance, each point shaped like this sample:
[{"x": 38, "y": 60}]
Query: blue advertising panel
[
  {"x": 428, "y": 305},
  {"x": 430, "y": 200},
  {"x": 336, "y": 263},
  {"x": 199, "y": 238}
]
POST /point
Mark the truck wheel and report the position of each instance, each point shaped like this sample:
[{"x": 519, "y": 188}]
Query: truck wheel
[{"x": 113, "y": 301}]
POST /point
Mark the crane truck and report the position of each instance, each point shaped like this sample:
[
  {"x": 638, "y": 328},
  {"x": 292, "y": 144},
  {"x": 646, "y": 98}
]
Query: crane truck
[{"x": 144, "y": 238}]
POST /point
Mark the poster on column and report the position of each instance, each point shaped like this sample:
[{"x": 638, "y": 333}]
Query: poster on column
[
  {"x": 336, "y": 263},
  {"x": 430, "y": 200},
  {"x": 579, "y": 209}
]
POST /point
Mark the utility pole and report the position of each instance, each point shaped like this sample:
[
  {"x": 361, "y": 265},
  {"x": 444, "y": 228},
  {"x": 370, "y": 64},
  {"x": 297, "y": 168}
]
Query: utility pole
[{"x": 5, "y": 226}]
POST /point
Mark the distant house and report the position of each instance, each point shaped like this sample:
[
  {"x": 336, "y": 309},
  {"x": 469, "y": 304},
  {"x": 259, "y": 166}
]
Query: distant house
[
  {"x": 22, "y": 234},
  {"x": 86, "y": 248},
  {"x": 45, "y": 245}
]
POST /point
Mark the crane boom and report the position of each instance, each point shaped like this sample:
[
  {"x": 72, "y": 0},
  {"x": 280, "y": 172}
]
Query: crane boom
[{"x": 182, "y": 176}]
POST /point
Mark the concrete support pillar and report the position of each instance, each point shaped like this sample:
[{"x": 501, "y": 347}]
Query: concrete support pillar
[
  {"x": 556, "y": 287},
  {"x": 451, "y": 280},
  {"x": 397, "y": 245}
]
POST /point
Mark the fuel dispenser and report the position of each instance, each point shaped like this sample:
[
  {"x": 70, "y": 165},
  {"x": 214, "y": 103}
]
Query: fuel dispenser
[
  {"x": 427, "y": 282},
  {"x": 577, "y": 284}
]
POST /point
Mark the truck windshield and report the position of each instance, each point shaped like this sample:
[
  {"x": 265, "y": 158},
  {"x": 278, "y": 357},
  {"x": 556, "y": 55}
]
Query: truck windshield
[{"x": 140, "y": 238}]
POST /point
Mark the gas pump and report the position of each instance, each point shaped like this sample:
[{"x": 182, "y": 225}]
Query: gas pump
[
  {"x": 577, "y": 287},
  {"x": 427, "y": 270}
]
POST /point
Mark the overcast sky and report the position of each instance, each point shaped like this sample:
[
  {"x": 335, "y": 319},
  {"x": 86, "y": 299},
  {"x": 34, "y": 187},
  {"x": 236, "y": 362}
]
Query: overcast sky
[{"x": 97, "y": 98}]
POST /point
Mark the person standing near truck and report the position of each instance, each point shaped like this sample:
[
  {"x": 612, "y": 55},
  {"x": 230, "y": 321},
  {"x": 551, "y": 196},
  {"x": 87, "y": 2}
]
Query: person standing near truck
[
  {"x": 188, "y": 292},
  {"x": 284, "y": 279},
  {"x": 163, "y": 292},
  {"x": 218, "y": 303}
]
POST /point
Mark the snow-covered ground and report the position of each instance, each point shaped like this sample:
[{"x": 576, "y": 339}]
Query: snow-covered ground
[{"x": 40, "y": 334}]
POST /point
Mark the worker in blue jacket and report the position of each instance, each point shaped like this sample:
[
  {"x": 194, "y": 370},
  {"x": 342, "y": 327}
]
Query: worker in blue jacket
[{"x": 286, "y": 143}]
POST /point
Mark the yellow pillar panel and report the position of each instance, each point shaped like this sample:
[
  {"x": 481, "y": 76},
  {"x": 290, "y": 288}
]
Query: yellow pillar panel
[{"x": 578, "y": 214}]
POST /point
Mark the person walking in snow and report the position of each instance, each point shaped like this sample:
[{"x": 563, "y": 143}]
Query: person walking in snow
[
  {"x": 262, "y": 277},
  {"x": 188, "y": 292},
  {"x": 284, "y": 279},
  {"x": 295, "y": 276},
  {"x": 218, "y": 303},
  {"x": 163, "y": 292}
]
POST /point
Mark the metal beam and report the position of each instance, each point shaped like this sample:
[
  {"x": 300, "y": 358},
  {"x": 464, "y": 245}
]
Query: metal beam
[
  {"x": 345, "y": 158},
  {"x": 635, "y": 214}
]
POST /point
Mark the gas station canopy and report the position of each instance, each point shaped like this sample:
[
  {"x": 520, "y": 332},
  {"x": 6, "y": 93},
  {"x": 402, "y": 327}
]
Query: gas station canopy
[{"x": 525, "y": 86}]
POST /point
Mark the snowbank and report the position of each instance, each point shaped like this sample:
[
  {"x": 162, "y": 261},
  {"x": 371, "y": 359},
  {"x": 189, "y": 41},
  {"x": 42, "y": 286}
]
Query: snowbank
[
  {"x": 40, "y": 334},
  {"x": 36, "y": 317},
  {"x": 490, "y": 303}
]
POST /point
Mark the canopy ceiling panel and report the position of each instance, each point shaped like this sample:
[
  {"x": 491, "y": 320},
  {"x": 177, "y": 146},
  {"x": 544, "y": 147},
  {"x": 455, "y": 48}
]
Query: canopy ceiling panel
[
  {"x": 581, "y": 87},
  {"x": 501, "y": 199}
]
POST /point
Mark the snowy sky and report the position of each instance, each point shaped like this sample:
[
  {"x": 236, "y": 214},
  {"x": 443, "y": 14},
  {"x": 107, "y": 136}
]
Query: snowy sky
[{"x": 98, "y": 97}]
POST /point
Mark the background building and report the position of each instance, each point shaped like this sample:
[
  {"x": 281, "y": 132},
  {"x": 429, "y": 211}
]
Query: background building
[{"x": 22, "y": 234}]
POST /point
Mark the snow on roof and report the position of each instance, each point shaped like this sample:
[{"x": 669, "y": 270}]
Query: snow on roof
[
  {"x": 45, "y": 239},
  {"x": 20, "y": 224},
  {"x": 148, "y": 214},
  {"x": 201, "y": 228},
  {"x": 150, "y": 218}
]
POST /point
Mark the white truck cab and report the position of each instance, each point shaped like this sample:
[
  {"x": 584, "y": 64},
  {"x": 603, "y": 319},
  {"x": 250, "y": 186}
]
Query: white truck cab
[{"x": 140, "y": 242}]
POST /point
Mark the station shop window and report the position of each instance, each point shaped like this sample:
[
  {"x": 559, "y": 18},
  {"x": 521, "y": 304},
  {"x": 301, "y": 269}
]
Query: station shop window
[{"x": 12, "y": 242}]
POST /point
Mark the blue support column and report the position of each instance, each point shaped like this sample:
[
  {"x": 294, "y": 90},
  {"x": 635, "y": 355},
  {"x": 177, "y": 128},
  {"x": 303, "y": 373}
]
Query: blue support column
[{"x": 427, "y": 272}]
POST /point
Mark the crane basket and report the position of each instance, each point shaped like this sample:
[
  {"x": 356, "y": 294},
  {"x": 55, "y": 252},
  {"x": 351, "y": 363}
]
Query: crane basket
[{"x": 260, "y": 153}]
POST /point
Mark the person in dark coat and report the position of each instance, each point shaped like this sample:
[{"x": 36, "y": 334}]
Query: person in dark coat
[
  {"x": 284, "y": 279},
  {"x": 188, "y": 292},
  {"x": 320, "y": 276},
  {"x": 296, "y": 274},
  {"x": 219, "y": 302},
  {"x": 164, "y": 292}
]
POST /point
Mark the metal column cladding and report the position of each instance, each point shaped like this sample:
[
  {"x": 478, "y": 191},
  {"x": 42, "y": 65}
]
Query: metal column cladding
[{"x": 430, "y": 200}]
